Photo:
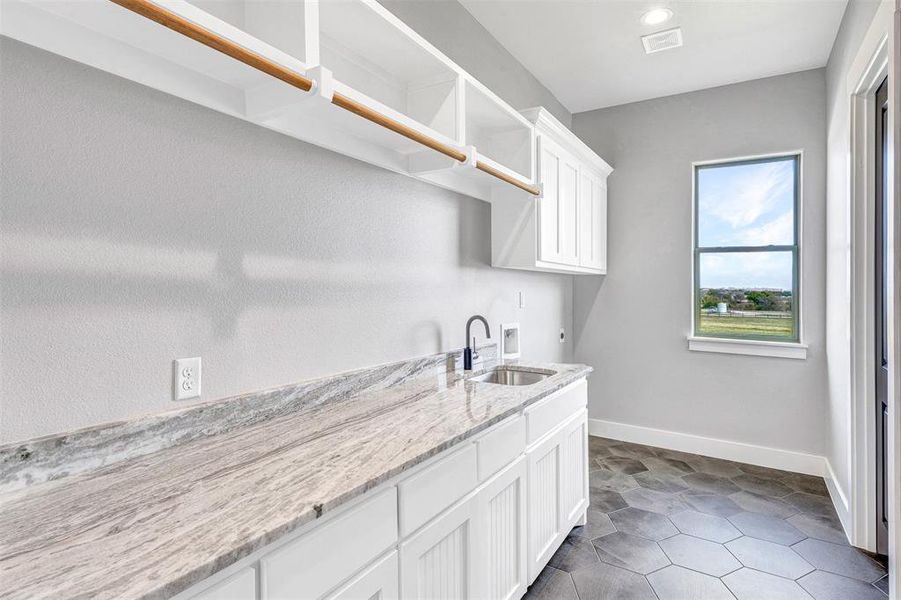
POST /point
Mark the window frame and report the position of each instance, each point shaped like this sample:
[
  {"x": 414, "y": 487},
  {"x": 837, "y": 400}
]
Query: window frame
[{"x": 755, "y": 344}]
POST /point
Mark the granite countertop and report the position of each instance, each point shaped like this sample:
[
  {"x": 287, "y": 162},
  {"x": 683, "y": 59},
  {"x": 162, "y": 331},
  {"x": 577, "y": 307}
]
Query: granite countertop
[{"x": 150, "y": 525}]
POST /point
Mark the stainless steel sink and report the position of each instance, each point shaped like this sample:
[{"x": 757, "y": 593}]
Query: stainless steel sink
[{"x": 506, "y": 376}]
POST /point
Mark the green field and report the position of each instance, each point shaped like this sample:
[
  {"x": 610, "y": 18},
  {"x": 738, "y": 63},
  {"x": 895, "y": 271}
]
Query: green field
[{"x": 746, "y": 326}]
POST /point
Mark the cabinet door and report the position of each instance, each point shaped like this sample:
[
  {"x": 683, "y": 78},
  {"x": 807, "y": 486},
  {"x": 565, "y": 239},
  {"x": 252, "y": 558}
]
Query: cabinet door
[
  {"x": 548, "y": 204},
  {"x": 592, "y": 221},
  {"x": 543, "y": 508},
  {"x": 558, "y": 213},
  {"x": 568, "y": 210},
  {"x": 574, "y": 470},
  {"x": 501, "y": 537},
  {"x": 438, "y": 563},
  {"x": 240, "y": 586},
  {"x": 378, "y": 582}
]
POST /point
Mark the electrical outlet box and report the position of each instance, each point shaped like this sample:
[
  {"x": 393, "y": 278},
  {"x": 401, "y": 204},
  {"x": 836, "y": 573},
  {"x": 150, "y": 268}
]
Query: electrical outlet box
[{"x": 186, "y": 378}]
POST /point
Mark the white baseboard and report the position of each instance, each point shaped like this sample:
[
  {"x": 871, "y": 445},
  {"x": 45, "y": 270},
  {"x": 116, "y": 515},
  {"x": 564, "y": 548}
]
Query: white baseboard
[
  {"x": 839, "y": 500},
  {"x": 774, "y": 458}
]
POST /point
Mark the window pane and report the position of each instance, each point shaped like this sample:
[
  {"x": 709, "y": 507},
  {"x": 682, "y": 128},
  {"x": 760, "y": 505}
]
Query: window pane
[
  {"x": 746, "y": 294},
  {"x": 750, "y": 204}
]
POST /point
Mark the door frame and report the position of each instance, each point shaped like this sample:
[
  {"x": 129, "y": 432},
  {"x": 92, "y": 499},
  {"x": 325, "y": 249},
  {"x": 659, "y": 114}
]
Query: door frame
[{"x": 876, "y": 59}]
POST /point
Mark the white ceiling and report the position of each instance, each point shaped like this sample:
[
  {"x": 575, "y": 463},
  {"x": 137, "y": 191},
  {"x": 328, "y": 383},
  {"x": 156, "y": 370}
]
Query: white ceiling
[{"x": 588, "y": 52}]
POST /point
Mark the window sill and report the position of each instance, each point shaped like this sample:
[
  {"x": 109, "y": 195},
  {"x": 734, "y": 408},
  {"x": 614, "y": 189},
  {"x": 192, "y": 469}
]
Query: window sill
[{"x": 748, "y": 347}]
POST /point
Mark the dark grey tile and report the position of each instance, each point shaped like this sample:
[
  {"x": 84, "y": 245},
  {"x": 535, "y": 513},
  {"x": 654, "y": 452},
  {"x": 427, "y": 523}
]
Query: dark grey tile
[
  {"x": 709, "y": 527},
  {"x": 611, "y": 480},
  {"x": 672, "y": 466},
  {"x": 632, "y": 450},
  {"x": 630, "y": 552},
  {"x": 806, "y": 483},
  {"x": 654, "y": 501},
  {"x": 775, "y": 559},
  {"x": 765, "y": 472},
  {"x": 622, "y": 464},
  {"x": 712, "y": 504},
  {"x": 843, "y": 560},
  {"x": 651, "y": 525},
  {"x": 761, "y": 485},
  {"x": 765, "y": 505},
  {"x": 606, "y": 500},
  {"x": 828, "y": 586},
  {"x": 599, "y": 444},
  {"x": 575, "y": 552},
  {"x": 660, "y": 481},
  {"x": 552, "y": 584},
  {"x": 748, "y": 584},
  {"x": 715, "y": 466},
  {"x": 882, "y": 585},
  {"x": 699, "y": 555},
  {"x": 712, "y": 484},
  {"x": 677, "y": 583},
  {"x": 598, "y": 524},
  {"x": 767, "y": 527},
  {"x": 606, "y": 582},
  {"x": 676, "y": 454},
  {"x": 811, "y": 503},
  {"x": 828, "y": 529}
]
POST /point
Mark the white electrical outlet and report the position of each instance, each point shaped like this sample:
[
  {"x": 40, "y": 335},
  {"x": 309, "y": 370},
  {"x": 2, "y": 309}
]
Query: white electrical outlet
[{"x": 186, "y": 381}]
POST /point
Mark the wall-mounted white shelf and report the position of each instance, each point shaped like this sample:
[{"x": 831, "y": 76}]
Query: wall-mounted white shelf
[{"x": 356, "y": 49}]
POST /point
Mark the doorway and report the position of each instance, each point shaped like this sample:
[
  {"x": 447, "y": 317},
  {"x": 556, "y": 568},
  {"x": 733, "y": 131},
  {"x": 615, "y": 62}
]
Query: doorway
[{"x": 881, "y": 298}]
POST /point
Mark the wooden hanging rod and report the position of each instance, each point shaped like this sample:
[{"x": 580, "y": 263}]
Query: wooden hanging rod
[
  {"x": 179, "y": 24},
  {"x": 532, "y": 189}
]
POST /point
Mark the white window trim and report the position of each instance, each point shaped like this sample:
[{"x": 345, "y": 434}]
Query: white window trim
[{"x": 793, "y": 350}]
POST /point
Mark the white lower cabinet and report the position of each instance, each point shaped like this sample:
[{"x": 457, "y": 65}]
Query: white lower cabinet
[
  {"x": 558, "y": 489},
  {"x": 502, "y": 531},
  {"x": 544, "y": 503},
  {"x": 438, "y": 562},
  {"x": 378, "y": 582},
  {"x": 480, "y": 521},
  {"x": 240, "y": 586}
]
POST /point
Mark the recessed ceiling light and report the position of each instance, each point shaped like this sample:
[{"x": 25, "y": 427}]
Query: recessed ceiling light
[{"x": 657, "y": 16}]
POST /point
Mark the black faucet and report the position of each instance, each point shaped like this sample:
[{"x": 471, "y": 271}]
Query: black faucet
[{"x": 467, "y": 351}]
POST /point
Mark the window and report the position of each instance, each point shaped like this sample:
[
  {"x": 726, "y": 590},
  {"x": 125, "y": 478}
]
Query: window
[{"x": 746, "y": 249}]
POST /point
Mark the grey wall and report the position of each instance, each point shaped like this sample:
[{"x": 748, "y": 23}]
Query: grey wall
[
  {"x": 632, "y": 324},
  {"x": 857, "y": 19},
  {"x": 450, "y": 27},
  {"x": 137, "y": 228}
]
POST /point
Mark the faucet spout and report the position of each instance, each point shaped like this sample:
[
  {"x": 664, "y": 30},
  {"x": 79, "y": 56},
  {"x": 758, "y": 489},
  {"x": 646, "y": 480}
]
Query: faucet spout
[{"x": 467, "y": 351}]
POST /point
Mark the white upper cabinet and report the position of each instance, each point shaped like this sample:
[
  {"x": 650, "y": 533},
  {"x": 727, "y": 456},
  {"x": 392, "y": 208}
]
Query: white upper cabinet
[
  {"x": 565, "y": 230},
  {"x": 407, "y": 97}
]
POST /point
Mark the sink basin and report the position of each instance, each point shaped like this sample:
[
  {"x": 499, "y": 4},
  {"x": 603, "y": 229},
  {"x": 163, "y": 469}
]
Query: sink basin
[{"x": 503, "y": 376}]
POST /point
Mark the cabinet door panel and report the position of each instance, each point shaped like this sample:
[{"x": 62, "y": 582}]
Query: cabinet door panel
[
  {"x": 378, "y": 582},
  {"x": 437, "y": 563},
  {"x": 568, "y": 211},
  {"x": 593, "y": 222},
  {"x": 574, "y": 471},
  {"x": 502, "y": 556},
  {"x": 544, "y": 504},
  {"x": 548, "y": 224}
]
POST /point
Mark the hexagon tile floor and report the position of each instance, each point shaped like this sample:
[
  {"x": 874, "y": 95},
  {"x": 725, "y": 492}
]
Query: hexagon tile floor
[{"x": 666, "y": 525}]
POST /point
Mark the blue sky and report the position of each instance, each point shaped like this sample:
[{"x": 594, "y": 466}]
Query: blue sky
[{"x": 746, "y": 205}]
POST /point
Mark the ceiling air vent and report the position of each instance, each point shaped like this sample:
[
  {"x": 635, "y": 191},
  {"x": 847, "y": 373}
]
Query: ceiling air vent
[{"x": 662, "y": 40}]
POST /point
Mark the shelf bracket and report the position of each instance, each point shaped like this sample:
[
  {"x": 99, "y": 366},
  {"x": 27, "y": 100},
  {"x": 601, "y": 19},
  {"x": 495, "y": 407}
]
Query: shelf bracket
[{"x": 323, "y": 84}]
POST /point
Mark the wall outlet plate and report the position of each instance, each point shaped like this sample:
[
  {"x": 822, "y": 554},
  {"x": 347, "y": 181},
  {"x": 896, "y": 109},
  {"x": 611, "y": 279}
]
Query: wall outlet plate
[
  {"x": 186, "y": 378},
  {"x": 511, "y": 343}
]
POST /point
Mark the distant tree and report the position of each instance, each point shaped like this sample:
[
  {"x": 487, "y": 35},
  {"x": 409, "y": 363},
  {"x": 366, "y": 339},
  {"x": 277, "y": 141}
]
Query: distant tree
[
  {"x": 709, "y": 300},
  {"x": 763, "y": 300}
]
